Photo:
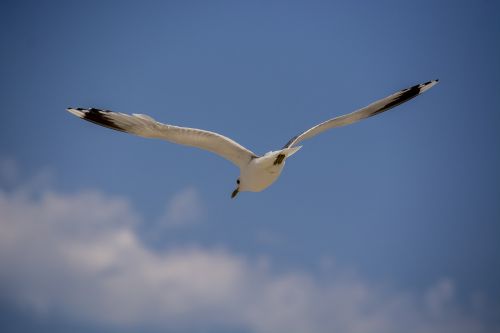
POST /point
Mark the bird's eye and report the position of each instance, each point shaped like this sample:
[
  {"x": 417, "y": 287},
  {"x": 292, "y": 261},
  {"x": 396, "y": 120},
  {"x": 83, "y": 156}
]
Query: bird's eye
[{"x": 238, "y": 181}]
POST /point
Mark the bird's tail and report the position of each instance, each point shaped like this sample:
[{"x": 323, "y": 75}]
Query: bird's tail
[
  {"x": 283, "y": 154},
  {"x": 290, "y": 151}
]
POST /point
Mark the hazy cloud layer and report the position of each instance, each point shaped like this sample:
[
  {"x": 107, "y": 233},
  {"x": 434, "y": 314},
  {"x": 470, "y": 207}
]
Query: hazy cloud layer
[
  {"x": 79, "y": 256},
  {"x": 8, "y": 171},
  {"x": 183, "y": 209}
]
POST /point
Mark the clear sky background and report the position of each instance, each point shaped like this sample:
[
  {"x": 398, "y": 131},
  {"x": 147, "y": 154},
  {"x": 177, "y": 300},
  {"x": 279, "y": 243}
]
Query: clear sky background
[{"x": 388, "y": 225}]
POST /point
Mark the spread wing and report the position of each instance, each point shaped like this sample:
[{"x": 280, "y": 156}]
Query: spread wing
[
  {"x": 373, "y": 109},
  {"x": 145, "y": 126}
]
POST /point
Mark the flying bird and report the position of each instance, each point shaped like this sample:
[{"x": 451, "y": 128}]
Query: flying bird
[{"x": 256, "y": 172}]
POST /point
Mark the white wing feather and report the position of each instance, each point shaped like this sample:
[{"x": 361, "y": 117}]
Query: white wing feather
[
  {"x": 373, "y": 109},
  {"x": 145, "y": 126}
]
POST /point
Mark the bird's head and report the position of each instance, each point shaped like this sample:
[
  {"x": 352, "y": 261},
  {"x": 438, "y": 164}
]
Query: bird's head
[{"x": 237, "y": 190}]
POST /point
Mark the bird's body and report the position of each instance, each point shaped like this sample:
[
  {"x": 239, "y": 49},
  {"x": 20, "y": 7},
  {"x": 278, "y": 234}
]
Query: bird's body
[
  {"x": 262, "y": 171},
  {"x": 256, "y": 172}
]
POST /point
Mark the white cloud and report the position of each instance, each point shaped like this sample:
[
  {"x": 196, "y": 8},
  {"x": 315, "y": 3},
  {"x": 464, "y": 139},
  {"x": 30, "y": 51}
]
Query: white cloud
[
  {"x": 440, "y": 296},
  {"x": 185, "y": 208},
  {"x": 79, "y": 256}
]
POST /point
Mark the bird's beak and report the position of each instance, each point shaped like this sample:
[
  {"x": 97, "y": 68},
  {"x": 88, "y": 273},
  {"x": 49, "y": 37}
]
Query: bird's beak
[{"x": 235, "y": 193}]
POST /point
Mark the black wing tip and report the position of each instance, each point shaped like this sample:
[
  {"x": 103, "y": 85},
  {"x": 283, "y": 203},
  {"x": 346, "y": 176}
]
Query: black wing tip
[
  {"x": 422, "y": 86},
  {"x": 87, "y": 109},
  {"x": 427, "y": 85},
  {"x": 407, "y": 94},
  {"x": 97, "y": 116},
  {"x": 430, "y": 82}
]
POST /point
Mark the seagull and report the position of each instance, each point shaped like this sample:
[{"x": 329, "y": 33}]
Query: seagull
[{"x": 256, "y": 172}]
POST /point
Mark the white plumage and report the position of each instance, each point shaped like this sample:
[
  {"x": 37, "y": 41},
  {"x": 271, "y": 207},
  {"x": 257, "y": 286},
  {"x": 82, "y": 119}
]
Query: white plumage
[{"x": 256, "y": 172}]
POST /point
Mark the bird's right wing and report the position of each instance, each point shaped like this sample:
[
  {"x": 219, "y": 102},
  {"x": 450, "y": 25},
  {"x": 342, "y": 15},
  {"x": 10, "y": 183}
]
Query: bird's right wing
[
  {"x": 145, "y": 126},
  {"x": 375, "y": 108}
]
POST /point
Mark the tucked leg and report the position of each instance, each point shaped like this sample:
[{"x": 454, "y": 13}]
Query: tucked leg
[{"x": 279, "y": 159}]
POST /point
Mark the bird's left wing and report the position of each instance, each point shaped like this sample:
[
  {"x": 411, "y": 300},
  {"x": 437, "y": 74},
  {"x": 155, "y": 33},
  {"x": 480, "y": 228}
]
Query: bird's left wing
[
  {"x": 375, "y": 108},
  {"x": 145, "y": 126}
]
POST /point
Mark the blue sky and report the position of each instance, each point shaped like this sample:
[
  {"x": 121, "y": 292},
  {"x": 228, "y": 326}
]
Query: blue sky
[{"x": 390, "y": 223}]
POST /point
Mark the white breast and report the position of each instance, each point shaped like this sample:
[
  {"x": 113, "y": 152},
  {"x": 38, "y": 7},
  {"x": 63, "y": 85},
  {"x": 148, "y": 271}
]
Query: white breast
[{"x": 260, "y": 173}]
